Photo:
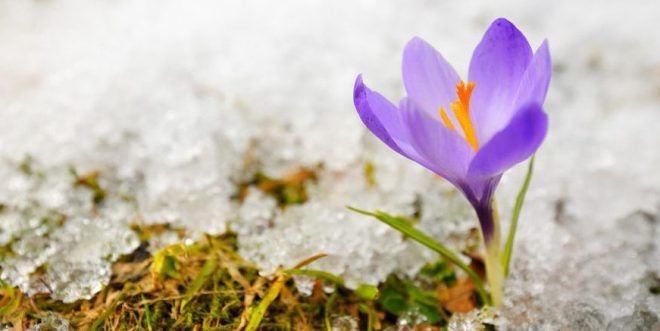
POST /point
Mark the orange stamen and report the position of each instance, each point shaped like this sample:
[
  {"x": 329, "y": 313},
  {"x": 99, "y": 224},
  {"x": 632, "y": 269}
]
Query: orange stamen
[
  {"x": 461, "y": 108},
  {"x": 446, "y": 120}
]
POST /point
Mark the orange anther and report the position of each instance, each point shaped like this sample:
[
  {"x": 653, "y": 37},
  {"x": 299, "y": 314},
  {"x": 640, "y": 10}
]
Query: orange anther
[
  {"x": 461, "y": 109},
  {"x": 446, "y": 120}
]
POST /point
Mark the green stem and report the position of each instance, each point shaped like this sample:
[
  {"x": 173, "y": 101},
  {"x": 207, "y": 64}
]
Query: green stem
[
  {"x": 495, "y": 276},
  {"x": 494, "y": 272},
  {"x": 406, "y": 228},
  {"x": 508, "y": 247}
]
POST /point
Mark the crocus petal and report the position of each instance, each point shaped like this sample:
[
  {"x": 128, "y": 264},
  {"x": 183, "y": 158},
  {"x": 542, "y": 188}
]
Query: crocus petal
[
  {"x": 383, "y": 119},
  {"x": 515, "y": 143},
  {"x": 536, "y": 80},
  {"x": 377, "y": 114},
  {"x": 441, "y": 150},
  {"x": 429, "y": 79},
  {"x": 497, "y": 66}
]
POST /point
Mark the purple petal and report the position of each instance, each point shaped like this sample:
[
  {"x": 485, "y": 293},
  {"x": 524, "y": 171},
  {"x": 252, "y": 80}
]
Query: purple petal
[
  {"x": 379, "y": 115},
  {"x": 440, "y": 150},
  {"x": 383, "y": 119},
  {"x": 429, "y": 79},
  {"x": 536, "y": 80},
  {"x": 497, "y": 66},
  {"x": 515, "y": 143}
]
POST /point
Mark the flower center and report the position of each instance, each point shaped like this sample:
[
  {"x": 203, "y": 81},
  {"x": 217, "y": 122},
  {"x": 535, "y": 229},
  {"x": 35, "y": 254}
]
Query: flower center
[{"x": 461, "y": 109}]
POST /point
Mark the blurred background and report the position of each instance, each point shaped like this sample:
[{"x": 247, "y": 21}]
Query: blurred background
[{"x": 172, "y": 108}]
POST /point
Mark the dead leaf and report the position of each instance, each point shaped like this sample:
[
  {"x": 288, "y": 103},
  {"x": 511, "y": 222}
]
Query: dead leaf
[{"x": 459, "y": 298}]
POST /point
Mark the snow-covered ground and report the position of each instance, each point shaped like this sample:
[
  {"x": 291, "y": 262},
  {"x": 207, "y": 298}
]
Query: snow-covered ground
[{"x": 175, "y": 102}]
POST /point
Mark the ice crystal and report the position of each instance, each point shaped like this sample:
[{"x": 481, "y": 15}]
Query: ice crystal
[{"x": 60, "y": 241}]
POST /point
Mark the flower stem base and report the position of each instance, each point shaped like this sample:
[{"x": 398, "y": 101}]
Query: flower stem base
[{"x": 494, "y": 275}]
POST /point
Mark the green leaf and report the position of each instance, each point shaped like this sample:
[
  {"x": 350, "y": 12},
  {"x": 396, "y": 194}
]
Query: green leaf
[
  {"x": 439, "y": 271},
  {"x": 508, "y": 246},
  {"x": 404, "y": 226},
  {"x": 393, "y": 297},
  {"x": 367, "y": 292},
  {"x": 165, "y": 264},
  {"x": 400, "y": 296}
]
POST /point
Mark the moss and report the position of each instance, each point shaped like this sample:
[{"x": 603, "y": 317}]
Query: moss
[{"x": 208, "y": 286}]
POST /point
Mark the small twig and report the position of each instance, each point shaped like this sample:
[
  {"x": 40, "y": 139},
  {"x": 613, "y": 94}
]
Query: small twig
[
  {"x": 309, "y": 260},
  {"x": 183, "y": 296}
]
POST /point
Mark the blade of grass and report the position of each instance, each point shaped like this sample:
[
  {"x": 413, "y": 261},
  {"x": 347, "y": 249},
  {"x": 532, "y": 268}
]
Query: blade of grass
[
  {"x": 508, "y": 246},
  {"x": 316, "y": 274},
  {"x": 148, "y": 319},
  {"x": 326, "y": 311},
  {"x": 403, "y": 226},
  {"x": 100, "y": 320},
  {"x": 371, "y": 316},
  {"x": 258, "y": 313},
  {"x": 207, "y": 271},
  {"x": 10, "y": 299},
  {"x": 364, "y": 291}
]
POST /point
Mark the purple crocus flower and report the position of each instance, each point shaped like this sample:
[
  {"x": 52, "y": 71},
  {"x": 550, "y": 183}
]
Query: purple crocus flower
[{"x": 468, "y": 133}]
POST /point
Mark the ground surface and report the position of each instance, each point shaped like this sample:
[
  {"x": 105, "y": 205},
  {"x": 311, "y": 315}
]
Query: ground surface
[{"x": 117, "y": 114}]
